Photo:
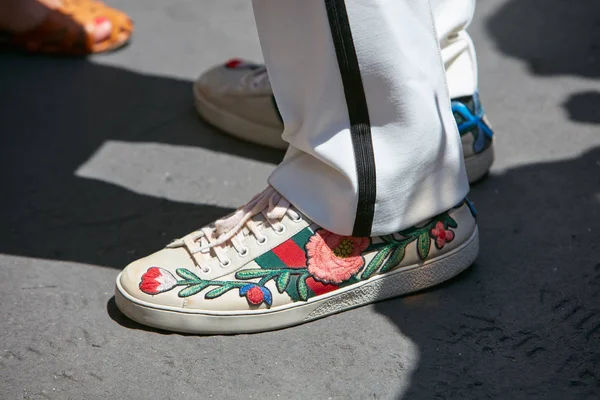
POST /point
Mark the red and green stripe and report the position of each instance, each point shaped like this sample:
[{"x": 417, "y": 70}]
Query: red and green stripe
[{"x": 289, "y": 254}]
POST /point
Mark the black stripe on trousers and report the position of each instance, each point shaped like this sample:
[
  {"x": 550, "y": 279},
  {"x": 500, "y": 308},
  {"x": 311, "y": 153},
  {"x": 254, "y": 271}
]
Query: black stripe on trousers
[{"x": 358, "y": 114}]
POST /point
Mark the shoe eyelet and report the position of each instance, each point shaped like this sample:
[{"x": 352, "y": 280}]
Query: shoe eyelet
[
  {"x": 281, "y": 230},
  {"x": 296, "y": 220},
  {"x": 226, "y": 263},
  {"x": 205, "y": 271},
  {"x": 264, "y": 240},
  {"x": 244, "y": 252}
]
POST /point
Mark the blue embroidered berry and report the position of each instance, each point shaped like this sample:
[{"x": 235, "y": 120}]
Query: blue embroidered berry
[{"x": 256, "y": 295}]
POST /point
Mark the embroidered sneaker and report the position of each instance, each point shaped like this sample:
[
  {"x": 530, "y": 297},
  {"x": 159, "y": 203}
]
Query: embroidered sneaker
[
  {"x": 237, "y": 98},
  {"x": 267, "y": 266}
]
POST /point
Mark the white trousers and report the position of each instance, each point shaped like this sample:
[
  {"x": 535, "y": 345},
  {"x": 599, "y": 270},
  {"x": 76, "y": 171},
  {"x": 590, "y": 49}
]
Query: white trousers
[{"x": 362, "y": 91}]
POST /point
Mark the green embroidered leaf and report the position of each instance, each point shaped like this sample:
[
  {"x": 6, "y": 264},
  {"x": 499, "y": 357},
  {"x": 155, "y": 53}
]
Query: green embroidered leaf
[
  {"x": 376, "y": 247},
  {"x": 187, "y": 274},
  {"x": 292, "y": 288},
  {"x": 395, "y": 258},
  {"x": 192, "y": 290},
  {"x": 252, "y": 273},
  {"x": 350, "y": 282},
  {"x": 267, "y": 278},
  {"x": 388, "y": 238},
  {"x": 375, "y": 263},
  {"x": 450, "y": 222},
  {"x": 423, "y": 245},
  {"x": 302, "y": 288},
  {"x": 213, "y": 294},
  {"x": 283, "y": 281},
  {"x": 409, "y": 232}
]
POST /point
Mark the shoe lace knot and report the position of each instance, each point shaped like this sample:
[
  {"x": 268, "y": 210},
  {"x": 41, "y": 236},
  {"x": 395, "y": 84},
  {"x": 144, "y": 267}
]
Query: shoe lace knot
[{"x": 269, "y": 205}]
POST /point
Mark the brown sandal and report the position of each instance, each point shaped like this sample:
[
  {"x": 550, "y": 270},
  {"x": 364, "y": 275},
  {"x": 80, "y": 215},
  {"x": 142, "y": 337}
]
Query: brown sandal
[{"x": 63, "y": 31}]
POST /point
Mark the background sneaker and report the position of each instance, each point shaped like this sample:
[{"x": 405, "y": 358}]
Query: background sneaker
[
  {"x": 476, "y": 135},
  {"x": 236, "y": 97}
]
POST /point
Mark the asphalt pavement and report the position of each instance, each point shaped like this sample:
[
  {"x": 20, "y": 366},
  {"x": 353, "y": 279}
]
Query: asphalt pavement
[{"x": 103, "y": 160}]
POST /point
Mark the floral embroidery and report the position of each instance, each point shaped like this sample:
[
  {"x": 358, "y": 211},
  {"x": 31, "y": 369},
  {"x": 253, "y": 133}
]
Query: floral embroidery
[
  {"x": 441, "y": 235},
  {"x": 309, "y": 264},
  {"x": 333, "y": 258},
  {"x": 157, "y": 280}
]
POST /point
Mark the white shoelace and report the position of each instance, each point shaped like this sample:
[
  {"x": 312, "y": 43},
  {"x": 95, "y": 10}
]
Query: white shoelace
[{"x": 272, "y": 205}]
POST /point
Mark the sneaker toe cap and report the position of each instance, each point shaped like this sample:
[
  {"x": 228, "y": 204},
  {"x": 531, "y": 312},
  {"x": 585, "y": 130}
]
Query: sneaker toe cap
[{"x": 153, "y": 279}]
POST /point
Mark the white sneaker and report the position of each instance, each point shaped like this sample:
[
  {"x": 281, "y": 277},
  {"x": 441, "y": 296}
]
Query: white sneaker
[{"x": 267, "y": 266}]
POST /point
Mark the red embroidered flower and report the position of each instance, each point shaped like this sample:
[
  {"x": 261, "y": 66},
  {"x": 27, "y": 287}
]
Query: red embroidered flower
[
  {"x": 441, "y": 235},
  {"x": 333, "y": 258},
  {"x": 320, "y": 288},
  {"x": 157, "y": 280}
]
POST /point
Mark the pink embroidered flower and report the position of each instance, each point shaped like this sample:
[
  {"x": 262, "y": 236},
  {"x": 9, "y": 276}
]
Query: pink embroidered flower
[
  {"x": 441, "y": 235},
  {"x": 333, "y": 258},
  {"x": 157, "y": 280}
]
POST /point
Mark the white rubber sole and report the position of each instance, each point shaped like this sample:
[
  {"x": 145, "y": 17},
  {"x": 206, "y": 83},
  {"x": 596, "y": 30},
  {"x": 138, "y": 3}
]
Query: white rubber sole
[
  {"x": 478, "y": 165},
  {"x": 236, "y": 125},
  {"x": 396, "y": 283}
]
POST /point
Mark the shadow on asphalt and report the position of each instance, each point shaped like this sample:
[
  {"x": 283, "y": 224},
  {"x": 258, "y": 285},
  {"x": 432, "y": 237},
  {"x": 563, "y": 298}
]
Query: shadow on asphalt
[
  {"x": 584, "y": 107},
  {"x": 116, "y": 315},
  {"x": 524, "y": 321},
  {"x": 62, "y": 111},
  {"x": 554, "y": 37}
]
